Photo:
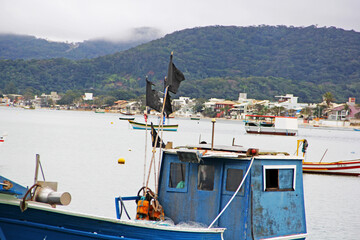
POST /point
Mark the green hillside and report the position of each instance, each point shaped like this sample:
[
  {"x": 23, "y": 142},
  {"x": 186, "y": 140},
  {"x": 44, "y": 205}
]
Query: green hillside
[
  {"x": 28, "y": 47},
  {"x": 217, "y": 61}
]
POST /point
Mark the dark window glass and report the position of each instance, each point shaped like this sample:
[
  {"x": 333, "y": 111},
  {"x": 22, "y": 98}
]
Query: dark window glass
[
  {"x": 279, "y": 179},
  {"x": 206, "y": 177},
  {"x": 233, "y": 179},
  {"x": 177, "y": 175},
  {"x": 272, "y": 179}
]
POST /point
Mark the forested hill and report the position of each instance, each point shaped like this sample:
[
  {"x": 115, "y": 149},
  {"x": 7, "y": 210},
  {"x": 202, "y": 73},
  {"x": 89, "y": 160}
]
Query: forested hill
[
  {"x": 28, "y": 47},
  {"x": 217, "y": 61}
]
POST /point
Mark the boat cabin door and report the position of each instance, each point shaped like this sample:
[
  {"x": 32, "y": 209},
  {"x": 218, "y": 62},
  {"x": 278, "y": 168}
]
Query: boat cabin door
[{"x": 236, "y": 217}]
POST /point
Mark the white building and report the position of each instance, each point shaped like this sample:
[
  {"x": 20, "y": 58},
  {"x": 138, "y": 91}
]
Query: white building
[
  {"x": 290, "y": 102},
  {"x": 184, "y": 105},
  {"x": 88, "y": 96}
]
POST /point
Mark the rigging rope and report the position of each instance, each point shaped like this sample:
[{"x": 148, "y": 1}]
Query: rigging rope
[{"x": 236, "y": 192}]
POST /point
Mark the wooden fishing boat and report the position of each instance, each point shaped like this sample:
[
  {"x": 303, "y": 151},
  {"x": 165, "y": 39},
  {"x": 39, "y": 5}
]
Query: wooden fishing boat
[
  {"x": 99, "y": 110},
  {"x": 142, "y": 126},
  {"x": 351, "y": 167},
  {"x": 126, "y": 118},
  {"x": 253, "y": 194},
  {"x": 127, "y": 113},
  {"x": 271, "y": 125},
  {"x": 39, "y": 220}
]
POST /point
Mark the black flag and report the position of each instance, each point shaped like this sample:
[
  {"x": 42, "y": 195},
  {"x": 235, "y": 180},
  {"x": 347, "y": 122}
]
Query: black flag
[
  {"x": 152, "y": 97},
  {"x": 168, "y": 108},
  {"x": 174, "y": 77},
  {"x": 153, "y": 138}
]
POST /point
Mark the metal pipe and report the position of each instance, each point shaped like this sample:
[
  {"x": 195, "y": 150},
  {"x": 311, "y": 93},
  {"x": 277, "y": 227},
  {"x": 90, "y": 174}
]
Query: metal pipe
[
  {"x": 213, "y": 130},
  {"x": 37, "y": 162},
  {"x": 47, "y": 195}
]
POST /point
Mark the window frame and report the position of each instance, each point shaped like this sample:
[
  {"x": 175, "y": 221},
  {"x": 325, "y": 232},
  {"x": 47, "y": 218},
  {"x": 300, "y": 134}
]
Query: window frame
[
  {"x": 185, "y": 189},
  {"x": 213, "y": 183},
  {"x": 242, "y": 189},
  {"x": 279, "y": 167}
]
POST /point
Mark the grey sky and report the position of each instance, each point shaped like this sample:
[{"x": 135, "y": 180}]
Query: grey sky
[{"x": 78, "y": 20}]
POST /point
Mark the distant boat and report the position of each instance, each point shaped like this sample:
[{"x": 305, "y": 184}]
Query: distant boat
[
  {"x": 2, "y": 139},
  {"x": 142, "y": 126},
  {"x": 271, "y": 125},
  {"x": 351, "y": 167},
  {"x": 195, "y": 118},
  {"x": 99, "y": 110},
  {"x": 126, "y": 118},
  {"x": 127, "y": 113}
]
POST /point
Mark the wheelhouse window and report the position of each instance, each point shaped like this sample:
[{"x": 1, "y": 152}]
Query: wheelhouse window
[
  {"x": 206, "y": 175},
  {"x": 233, "y": 179},
  {"x": 177, "y": 175},
  {"x": 279, "y": 178}
]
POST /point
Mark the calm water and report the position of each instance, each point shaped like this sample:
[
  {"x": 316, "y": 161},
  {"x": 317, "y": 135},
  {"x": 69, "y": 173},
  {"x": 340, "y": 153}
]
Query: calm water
[{"x": 80, "y": 151}]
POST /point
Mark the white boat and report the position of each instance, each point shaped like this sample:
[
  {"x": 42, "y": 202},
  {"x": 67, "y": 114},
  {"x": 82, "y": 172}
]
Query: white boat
[{"x": 271, "y": 125}]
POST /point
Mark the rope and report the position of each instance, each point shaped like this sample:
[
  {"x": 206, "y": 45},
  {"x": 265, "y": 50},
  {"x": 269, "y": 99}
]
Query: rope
[
  {"x": 146, "y": 130},
  {"x": 23, "y": 202},
  {"x": 123, "y": 207},
  {"x": 232, "y": 198}
]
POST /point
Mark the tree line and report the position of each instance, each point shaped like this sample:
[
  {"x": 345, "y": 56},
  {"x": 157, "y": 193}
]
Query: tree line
[{"x": 217, "y": 61}]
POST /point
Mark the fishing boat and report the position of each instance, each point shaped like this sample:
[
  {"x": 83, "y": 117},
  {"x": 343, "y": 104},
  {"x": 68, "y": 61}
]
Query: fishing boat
[
  {"x": 143, "y": 126},
  {"x": 25, "y": 216},
  {"x": 126, "y": 118},
  {"x": 250, "y": 193},
  {"x": 127, "y": 113},
  {"x": 348, "y": 167},
  {"x": 356, "y": 129},
  {"x": 99, "y": 110},
  {"x": 271, "y": 125}
]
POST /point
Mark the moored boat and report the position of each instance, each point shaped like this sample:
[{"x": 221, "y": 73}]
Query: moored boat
[
  {"x": 127, "y": 113},
  {"x": 143, "y": 126},
  {"x": 99, "y": 110},
  {"x": 271, "y": 125},
  {"x": 42, "y": 221},
  {"x": 350, "y": 167},
  {"x": 126, "y": 118},
  {"x": 250, "y": 193}
]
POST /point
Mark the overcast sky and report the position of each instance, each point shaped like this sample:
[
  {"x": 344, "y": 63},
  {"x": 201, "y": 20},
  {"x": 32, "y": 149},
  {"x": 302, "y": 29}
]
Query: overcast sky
[{"x": 78, "y": 20}]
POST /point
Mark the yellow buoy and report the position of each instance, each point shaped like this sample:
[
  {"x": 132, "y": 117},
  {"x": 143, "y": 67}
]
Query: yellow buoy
[{"x": 121, "y": 161}]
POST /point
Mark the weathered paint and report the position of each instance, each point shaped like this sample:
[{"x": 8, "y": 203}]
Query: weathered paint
[{"x": 254, "y": 213}]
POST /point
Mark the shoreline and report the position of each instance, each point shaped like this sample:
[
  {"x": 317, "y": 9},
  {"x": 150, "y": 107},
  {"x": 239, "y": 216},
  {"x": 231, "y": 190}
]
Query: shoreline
[{"x": 301, "y": 124}]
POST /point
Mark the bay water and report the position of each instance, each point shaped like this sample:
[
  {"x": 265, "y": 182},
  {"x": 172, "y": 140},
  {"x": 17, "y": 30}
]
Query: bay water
[{"x": 80, "y": 151}]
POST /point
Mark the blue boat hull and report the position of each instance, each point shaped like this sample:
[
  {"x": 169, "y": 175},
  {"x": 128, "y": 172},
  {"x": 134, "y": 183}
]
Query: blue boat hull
[{"x": 36, "y": 223}]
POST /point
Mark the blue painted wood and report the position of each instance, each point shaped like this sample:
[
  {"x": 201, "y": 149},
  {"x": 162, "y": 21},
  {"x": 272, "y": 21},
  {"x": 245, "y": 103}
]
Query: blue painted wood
[
  {"x": 254, "y": 213},
  {"x": 39, "y": 224},
  {"x": 17, "y": 190}
]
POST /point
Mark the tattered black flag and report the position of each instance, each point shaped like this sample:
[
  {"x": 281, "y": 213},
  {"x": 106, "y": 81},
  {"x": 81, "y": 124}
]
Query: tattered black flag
[
  {"x": 153, "y": 138},
  {"x": 168, "y": 108},
  {"x": 174, "y": 77},
  {"x": 152, "y": 97}
]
